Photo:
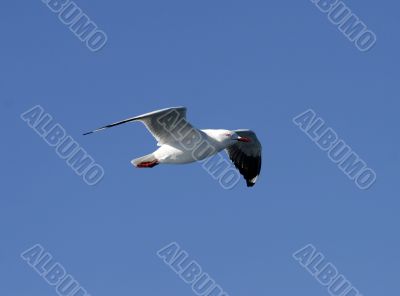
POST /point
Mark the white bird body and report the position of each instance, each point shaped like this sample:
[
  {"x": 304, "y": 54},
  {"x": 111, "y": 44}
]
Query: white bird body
[
  {"x": 175, "y": 154},
  {"x": 172, "y": 155},
  {"x": 181, "y": 143}
]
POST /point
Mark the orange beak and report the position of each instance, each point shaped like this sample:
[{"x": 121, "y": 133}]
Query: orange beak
[{"x": 244, "y": 139}]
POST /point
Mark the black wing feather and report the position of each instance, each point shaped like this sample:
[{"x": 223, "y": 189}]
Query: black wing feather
[{"x": 247, "y": 157}]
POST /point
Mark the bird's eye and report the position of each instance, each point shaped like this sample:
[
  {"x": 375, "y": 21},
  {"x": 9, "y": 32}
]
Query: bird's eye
[{"x": 228, "y": 135}]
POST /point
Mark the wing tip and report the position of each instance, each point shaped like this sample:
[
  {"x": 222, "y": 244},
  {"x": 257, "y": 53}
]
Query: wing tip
[
  {"x": 251, "y": 182},
  {"x": 96, "y": 130}
]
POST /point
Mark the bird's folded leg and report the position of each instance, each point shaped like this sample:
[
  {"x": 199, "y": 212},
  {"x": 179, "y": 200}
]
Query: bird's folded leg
[{"x": 147, "y": 164}]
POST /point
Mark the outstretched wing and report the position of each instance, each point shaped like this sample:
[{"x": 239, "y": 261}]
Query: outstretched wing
[
  {"x": 247, "y": 156},
  {"x": 166, "y": 125}
]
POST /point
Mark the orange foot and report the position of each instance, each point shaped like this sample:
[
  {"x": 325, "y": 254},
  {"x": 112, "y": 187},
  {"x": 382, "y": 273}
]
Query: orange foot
[{"x": 148, "y": 164}]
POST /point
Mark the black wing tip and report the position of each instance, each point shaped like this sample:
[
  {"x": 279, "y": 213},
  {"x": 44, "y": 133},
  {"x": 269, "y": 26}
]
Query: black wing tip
[
  {"x": 95, "y": 131},
  {"x": 249, "y": 183}
]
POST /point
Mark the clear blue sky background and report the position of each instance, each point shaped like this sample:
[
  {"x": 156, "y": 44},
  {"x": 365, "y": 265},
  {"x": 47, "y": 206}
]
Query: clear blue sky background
[{"x": 233, "y": 64}]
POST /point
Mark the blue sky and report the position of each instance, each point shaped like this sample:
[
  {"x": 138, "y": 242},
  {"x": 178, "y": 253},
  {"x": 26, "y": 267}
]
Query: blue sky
[{"x": 233, "y": 65}]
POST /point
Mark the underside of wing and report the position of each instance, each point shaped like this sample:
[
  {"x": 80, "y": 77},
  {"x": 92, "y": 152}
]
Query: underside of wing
[
  {"x": 166, "y": 125},
  {"x": 247, "y": 156}
]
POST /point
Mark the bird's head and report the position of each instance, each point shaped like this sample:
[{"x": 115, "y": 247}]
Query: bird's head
[{"x": 231, "y": 137}]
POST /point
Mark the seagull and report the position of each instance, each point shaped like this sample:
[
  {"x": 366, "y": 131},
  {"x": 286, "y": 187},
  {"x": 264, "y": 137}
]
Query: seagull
[{"x": 180, "y": 143}]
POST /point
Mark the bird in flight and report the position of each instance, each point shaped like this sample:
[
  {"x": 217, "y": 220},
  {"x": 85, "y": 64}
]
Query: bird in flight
[{"x": 182, "y": 143}]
